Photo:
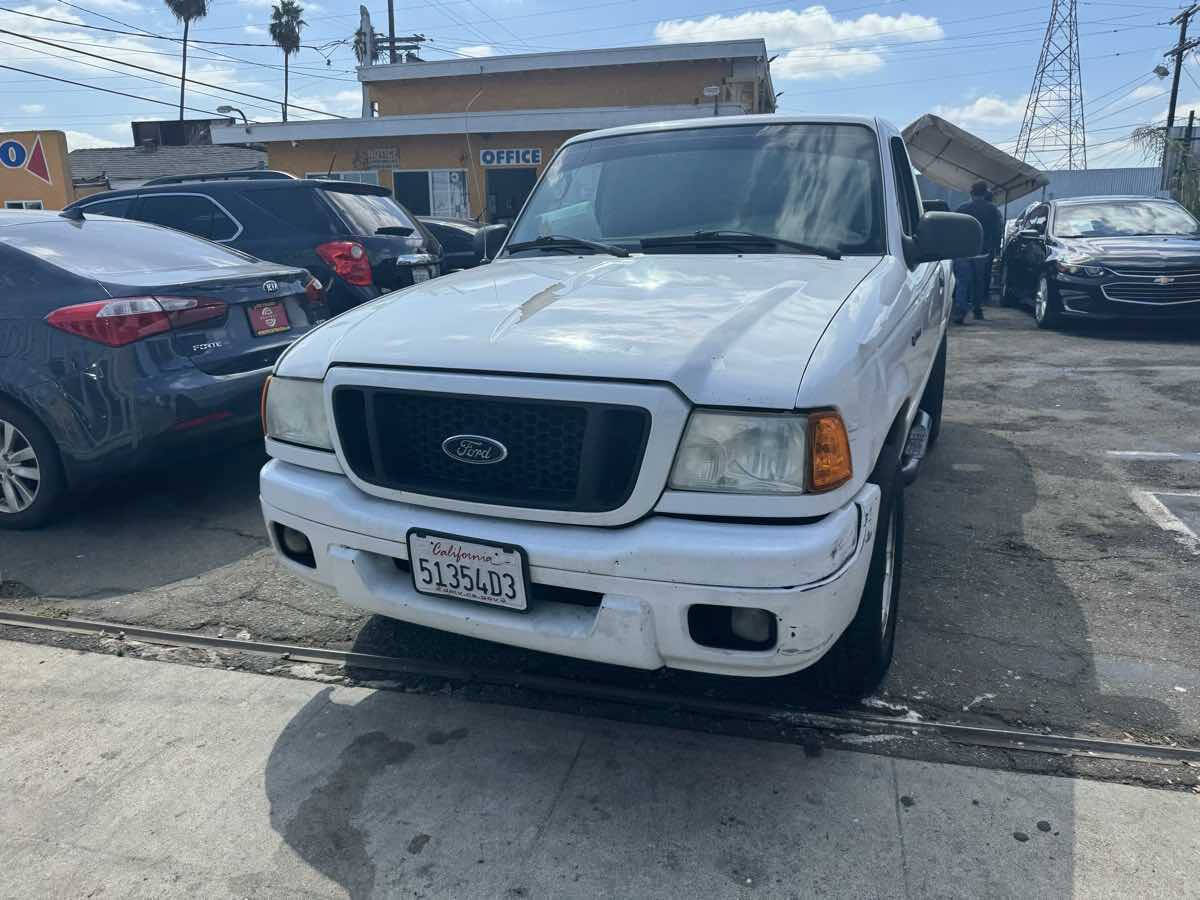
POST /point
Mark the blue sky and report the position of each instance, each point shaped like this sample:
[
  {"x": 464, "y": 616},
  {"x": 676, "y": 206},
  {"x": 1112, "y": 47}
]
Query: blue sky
[{"x": 969, "y": 61}]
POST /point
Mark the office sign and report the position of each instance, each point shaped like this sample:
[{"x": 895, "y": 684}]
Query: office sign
[{"x": 530, "y": 156}]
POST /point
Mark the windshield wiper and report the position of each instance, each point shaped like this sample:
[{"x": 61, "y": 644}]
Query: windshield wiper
[
  {"x": 398, "y": 230},
  {"x": 563, "y": 241},
  {"x": 737, "y": 237}
]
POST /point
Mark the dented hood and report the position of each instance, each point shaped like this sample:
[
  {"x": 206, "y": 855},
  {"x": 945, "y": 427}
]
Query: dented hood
[{"x": 724, "y": 329}]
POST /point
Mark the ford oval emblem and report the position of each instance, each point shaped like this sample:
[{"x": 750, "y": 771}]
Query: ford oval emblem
[{"x": 474, "y": 449}]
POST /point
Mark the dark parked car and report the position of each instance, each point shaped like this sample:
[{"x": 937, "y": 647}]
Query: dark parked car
[
  {"x": 355, "y": 238},
  {"x": 457, "y": 237},
  {"x": 1104, "y": 258},
  {"x": 121, "y": 341}
]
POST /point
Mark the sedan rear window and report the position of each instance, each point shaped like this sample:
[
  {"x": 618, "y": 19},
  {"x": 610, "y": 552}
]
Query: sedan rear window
[
  {"x": 104, "y": 248},
  {"x": 367, "y": 213}
]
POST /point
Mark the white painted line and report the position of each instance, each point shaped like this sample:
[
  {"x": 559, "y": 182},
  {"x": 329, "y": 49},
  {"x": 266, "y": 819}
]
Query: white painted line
[
  {"x": 1185, "y": 456},
  {"x": 1165, "y": 519}
]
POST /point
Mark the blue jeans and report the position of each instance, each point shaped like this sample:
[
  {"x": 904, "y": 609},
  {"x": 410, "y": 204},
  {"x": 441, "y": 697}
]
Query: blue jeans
[{"x": 972, "y": 275}]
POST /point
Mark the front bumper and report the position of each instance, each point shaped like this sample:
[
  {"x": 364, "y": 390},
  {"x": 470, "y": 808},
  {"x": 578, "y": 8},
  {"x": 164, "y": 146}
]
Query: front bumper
[
  {"x": 1089, "y": 298},
  {"x": 649, "y": 573}
]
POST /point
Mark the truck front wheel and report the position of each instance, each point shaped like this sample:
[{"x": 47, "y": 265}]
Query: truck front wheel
[{"x": 858, "y": 661}]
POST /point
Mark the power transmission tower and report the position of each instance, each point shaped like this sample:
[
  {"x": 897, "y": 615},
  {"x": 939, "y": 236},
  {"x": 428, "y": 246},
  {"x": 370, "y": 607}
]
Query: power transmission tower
[
  {"x": 1178, "y": 51},
  {"x": 1052, "y": 133}
]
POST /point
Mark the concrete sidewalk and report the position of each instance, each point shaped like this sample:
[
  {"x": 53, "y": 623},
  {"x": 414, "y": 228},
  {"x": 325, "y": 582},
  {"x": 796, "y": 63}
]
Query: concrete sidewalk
[{"x": 129, "y": 778}]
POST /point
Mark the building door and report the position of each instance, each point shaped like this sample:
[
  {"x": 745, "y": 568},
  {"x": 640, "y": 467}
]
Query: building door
[
  {"x": 506, "y": 192},
  {"x": 412, "y": 190}
]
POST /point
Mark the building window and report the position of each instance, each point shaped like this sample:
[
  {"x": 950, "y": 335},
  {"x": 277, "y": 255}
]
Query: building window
[
  {"x": 436, "y": 192},
  {"x": 23, "y": 204},
  {"x": 357, "y": 176}
]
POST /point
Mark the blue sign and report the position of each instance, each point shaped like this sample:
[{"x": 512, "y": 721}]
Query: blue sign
[
  {"x": 530, "y": 156},
  {"x": 12, "y": 154}
]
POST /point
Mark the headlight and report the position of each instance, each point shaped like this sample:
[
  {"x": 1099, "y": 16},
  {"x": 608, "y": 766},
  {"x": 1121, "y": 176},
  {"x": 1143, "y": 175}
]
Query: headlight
[
  {"x": 748, "y": 453},
  {"x": 294, "y": 411},
  {"x": 1077, "y": 268}
]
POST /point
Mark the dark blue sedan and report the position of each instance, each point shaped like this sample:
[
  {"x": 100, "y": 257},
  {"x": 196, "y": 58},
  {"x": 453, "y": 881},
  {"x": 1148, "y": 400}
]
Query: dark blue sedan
[{"x": 121, "y": 341}]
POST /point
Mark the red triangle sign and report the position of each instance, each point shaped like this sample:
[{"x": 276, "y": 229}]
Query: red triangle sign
[{"x": 36, "y": 165}]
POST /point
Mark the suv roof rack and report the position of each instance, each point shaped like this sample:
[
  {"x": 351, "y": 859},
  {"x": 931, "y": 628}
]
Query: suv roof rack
[{"x": 238, "y": 175}]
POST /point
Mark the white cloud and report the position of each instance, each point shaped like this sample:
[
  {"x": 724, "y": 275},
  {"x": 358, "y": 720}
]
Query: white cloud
[
  {"x": 347, "y": 102},
  {"x": 478, "y": 50},
  {"x": 267, "y": 4},
  {"x": 125, "y": 6},
  {"x": 254, "y": 31},
  {"x": 1147, "y": 90},
  {"x": 985, "y": 110},
  {"x": 812, "y": 43},
  {"x": 32, "y": 108},
  {"x": 82, "y": 140},
  {"x": 65, "y": 30}
]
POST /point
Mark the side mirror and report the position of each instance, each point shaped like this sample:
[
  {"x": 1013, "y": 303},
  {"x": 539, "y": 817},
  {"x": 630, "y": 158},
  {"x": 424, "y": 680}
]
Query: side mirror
[
  {"x": 945, "y": 235},
  {"x": 1029, "y": 234},
  {"x": 488, "y": 240},
  {"x": 936, "y": 206}
]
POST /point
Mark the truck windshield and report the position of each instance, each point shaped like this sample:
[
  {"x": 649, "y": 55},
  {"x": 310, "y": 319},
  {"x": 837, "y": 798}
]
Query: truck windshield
[{"x": 816, "y": 185}]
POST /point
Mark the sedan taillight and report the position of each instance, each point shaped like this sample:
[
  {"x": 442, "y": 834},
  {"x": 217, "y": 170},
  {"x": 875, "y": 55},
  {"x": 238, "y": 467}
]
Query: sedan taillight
[
  {"x": 348, "y": 259},
  {"x": 128, "y": 319}
]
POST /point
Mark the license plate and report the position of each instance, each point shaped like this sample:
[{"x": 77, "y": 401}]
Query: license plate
[
  {"x": 444, "y": 565},
  {"x": 420, "y": 274},
  {"x": 268, "y": 318}
]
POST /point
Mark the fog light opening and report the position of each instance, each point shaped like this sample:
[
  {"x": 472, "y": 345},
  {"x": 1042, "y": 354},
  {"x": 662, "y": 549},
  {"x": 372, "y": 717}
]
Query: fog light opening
[
  {"x": 753, "y": 625},
  {"x": 295, "y": 546},
  {"x": 732, "y": 628}
]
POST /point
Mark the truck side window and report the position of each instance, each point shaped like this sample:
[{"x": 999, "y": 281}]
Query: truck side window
[{"x": 907, "y": 194}]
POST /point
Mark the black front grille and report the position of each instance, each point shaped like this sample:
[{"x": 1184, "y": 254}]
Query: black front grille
[
  {"x": 583, "y": 457},
  {"x": 1147, "y": 291}
]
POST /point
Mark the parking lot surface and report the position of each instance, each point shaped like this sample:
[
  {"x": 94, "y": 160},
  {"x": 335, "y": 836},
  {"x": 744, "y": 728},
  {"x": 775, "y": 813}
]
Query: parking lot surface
[
  {"x": 1050, "y": 579},
  {"x": 139, "y": 779}
]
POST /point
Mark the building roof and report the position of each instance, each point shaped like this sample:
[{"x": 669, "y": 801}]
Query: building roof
[
  {"x": 1142, "y": 181},
  {"x": 507, "y": 121},
  {"x": 567, "y": 59},
  {"x": 129, "y": 163}
]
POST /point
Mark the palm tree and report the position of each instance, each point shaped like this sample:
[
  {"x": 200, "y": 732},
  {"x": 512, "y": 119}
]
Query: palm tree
[
  {"x": 186, "y": 11},
  {"x": 285, "y": 32}
]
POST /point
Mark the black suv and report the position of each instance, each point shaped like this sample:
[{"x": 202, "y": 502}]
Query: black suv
[{"x": 354, "y": 237}]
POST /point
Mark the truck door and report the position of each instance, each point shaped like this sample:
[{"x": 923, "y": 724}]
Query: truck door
[{"x": 926, "y": 283}]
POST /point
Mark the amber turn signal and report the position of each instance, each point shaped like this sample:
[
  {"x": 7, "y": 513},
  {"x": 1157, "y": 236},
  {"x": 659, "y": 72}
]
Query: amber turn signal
[
  {"x": 830, "y": 453},
  {"x": 262, "y": 404}
]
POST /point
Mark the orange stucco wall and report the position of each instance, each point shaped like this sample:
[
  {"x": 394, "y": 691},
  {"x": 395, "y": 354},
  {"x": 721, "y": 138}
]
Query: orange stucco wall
[
  {"x": 21, "y": 184},
  {"x": 424, "y": 152},
  {"x": 650, "y": 84}
]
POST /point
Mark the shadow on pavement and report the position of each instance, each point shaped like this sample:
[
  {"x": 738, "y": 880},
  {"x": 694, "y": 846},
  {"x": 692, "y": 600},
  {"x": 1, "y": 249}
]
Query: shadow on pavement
[
  {"x": 390, "y": 794},
  {"x": 158, "y": 525}
]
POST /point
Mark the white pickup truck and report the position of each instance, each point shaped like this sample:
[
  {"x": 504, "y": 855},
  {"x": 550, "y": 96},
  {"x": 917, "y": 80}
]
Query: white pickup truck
[{"x": 669, "y": 424}]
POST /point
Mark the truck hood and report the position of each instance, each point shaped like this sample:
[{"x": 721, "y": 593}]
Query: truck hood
[{"x": 724, "y": 329}]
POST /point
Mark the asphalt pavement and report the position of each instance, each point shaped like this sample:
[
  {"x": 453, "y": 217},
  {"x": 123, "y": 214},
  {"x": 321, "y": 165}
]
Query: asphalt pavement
[
  {"x": 130, "y": 778},
  {"x": 1050, "y": 581}
]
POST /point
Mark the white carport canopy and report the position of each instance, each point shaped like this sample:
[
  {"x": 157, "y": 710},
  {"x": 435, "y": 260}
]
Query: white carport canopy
[{"x": 957, "y": 159}]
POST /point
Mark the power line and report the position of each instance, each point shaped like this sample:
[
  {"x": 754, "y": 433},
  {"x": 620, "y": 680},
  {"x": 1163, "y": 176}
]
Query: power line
[
  {"x": 166, "y": 74},
  {"x": 207, "y": 112}
]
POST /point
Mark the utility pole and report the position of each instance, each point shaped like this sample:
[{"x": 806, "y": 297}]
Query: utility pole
[
  {"x": 1181, "y": 48},
  {"x": 392, "y": 32}
]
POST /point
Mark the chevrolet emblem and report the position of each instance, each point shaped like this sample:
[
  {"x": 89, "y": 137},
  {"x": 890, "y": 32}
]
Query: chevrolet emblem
[{"x": 1164, "y": 279}]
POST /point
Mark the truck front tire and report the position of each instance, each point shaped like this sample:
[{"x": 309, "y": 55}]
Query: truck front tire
[{"x": 858, "y": 661}]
